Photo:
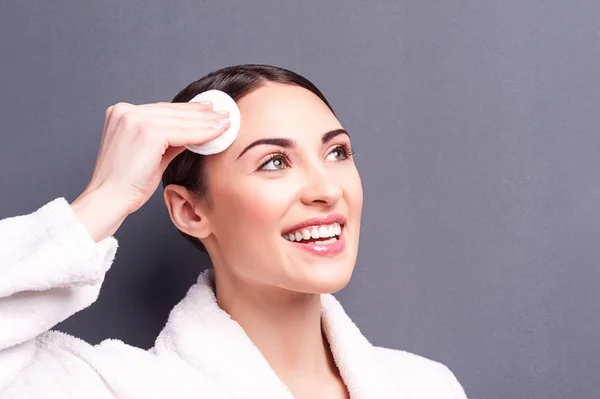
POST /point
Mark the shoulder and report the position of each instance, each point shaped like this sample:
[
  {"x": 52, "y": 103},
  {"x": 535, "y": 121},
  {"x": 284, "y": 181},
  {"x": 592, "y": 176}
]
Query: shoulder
[
  {"x": 420, "y": 377},
  {"x": 60, "y": 361},
  {"x": 110, "y": 351},
  {"x": 67, "y": 351}
]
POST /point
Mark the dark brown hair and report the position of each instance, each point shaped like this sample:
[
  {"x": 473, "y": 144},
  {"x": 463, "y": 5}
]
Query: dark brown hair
[{"x": 187, "y": 169}]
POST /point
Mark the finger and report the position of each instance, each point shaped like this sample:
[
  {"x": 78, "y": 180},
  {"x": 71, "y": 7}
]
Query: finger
[
  {"x": 133, "y": 120},
  {"x": 174, "y": 132},
  {"x": 170, "y": 122},
  {"x": 184, "y": 104},
  {"x": 183, "y": 112},
  {"x": 170, "y": 154},
  {"x": 194, "y": 135},
  {"x": 194, "y": 105},
  {"x": 114, "y": 115}
]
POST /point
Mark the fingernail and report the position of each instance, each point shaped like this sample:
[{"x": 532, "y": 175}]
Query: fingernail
[
  {"x": 205, "y": 102},
  {"x": 223, "y": 112},
  {"x": 223, "y": 121},
  {"x": 217, "y": 125}
]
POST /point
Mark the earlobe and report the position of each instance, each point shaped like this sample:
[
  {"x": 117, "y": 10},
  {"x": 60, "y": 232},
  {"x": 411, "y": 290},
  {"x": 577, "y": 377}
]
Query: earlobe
[{"x": 186, "y": 212}]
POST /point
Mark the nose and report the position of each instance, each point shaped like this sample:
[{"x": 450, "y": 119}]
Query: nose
[{"x": 321, "y": 189}]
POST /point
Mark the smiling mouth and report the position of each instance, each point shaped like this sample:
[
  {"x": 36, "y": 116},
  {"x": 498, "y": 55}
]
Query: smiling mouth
[{"x": 320, "y": 234}]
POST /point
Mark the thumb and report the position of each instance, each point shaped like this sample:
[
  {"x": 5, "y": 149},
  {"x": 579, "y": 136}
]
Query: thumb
[{"x": 170, "y": 154}]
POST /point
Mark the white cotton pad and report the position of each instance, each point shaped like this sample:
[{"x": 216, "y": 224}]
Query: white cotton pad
[{"x": 221, "y": 101}]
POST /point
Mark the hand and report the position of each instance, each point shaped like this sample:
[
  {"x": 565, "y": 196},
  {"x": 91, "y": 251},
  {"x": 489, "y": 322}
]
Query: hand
[{"x": 138, "y": 143}]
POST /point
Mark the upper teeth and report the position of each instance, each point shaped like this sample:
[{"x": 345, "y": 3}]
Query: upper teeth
[{"x": 322, "y": 231}]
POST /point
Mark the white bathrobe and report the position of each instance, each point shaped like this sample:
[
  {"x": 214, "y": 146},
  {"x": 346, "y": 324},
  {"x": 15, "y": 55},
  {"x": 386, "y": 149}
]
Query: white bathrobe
[{"x": 50, "y": 268}]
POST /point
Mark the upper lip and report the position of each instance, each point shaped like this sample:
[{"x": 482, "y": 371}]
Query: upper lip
[{"x": 316, "y": 221}]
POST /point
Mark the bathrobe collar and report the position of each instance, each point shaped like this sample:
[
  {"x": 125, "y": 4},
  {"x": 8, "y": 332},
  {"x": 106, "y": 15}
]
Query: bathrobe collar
[{"x": 207, "y": 338}]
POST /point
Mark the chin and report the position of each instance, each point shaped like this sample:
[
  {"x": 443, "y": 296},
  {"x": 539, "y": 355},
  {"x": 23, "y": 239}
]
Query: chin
[{"x": 326, "y": 279}]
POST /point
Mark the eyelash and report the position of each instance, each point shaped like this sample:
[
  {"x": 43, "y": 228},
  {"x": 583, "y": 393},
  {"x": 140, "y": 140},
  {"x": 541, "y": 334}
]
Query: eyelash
[{"x": 349, "y": 152}]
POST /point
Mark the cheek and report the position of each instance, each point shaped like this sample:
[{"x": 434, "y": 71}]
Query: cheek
[
  {"x": 357, "y": 189},
  {"x": 256, "y": 209},
  {"x": 249, "y": 223},
  {"x": 351, "y": 184}
]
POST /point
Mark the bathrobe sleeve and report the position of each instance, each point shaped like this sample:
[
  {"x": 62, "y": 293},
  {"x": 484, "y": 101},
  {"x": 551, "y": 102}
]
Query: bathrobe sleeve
[{"x": 50, "y": 268}]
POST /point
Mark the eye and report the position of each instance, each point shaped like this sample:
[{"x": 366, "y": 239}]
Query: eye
[
  {"x": 277, "y": 161},
  {"x": 340, "y": 153}
]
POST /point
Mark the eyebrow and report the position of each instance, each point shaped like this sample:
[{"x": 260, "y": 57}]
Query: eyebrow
[{"x": 289, "y": 143}]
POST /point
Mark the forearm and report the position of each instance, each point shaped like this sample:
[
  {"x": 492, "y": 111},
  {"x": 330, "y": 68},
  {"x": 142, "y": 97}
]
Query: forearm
[{"x": 50, "y": 268}]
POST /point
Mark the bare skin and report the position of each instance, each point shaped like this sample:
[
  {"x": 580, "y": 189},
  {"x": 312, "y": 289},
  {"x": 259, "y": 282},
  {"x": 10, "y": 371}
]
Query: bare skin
[
  {"x": 138, "y": 142},
  {"x": 268, "y": 286}
]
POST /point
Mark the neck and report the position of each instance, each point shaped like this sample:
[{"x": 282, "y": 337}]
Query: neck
[{"x": 284, "y": 325}]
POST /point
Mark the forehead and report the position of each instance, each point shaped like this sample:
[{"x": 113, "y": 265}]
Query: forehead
[{"x": 282, "y": 110}]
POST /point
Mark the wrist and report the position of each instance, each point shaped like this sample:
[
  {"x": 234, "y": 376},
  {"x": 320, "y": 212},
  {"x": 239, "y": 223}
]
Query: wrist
[{"x": 100, "y": 212}]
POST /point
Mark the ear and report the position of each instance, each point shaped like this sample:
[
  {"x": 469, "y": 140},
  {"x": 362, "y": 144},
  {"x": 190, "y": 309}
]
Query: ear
[{"x": 186, "y": 212}]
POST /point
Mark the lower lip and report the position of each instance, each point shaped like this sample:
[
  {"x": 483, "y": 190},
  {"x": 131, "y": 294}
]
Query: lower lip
[{"x": 323, "y": 249}]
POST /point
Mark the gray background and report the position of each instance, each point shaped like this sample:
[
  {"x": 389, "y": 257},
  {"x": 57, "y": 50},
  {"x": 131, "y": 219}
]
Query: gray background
[{"x": 475, "y": 126}]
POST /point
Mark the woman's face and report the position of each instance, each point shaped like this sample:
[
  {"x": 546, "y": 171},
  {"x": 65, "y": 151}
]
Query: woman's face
[{"x": 290, "y": 163}]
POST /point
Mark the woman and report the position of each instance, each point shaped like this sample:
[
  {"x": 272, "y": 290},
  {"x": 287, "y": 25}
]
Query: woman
[{"x": 278, "y": 213}]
